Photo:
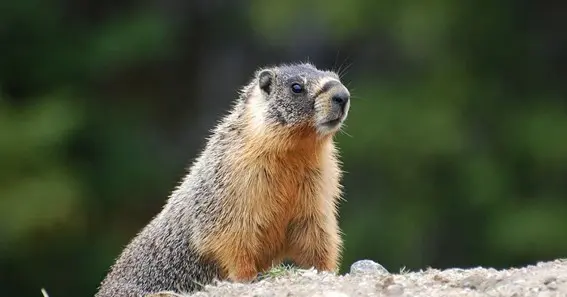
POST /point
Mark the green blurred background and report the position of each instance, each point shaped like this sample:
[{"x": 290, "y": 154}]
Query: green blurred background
[{"x": 455, "y": 149}]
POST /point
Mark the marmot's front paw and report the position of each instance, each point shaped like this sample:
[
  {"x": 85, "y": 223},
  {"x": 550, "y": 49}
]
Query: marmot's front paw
[{"x": 243, "y": 275}]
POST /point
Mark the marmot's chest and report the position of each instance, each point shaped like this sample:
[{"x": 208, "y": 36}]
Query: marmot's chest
[
  {"x": 274, "y": 189},
  {"x": 268, "y": 195},
  {"x": 285, "y": 189}
]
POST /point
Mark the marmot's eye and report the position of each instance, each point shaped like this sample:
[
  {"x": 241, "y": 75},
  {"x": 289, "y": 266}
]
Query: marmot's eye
[{"x": 296, "y": 88}]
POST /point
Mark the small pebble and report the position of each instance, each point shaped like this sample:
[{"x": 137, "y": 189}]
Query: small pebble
[
  {"x": 395, "y": 289},
  {"x": 367, "y": 266}
]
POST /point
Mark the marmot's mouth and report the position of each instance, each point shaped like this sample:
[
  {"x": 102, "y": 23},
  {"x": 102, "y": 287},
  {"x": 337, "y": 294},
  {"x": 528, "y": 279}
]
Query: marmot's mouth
[{"x": 333, "y": 123}]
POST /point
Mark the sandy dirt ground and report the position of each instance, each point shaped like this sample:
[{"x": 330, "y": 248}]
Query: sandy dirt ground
[{"x": 367, "y": 278}]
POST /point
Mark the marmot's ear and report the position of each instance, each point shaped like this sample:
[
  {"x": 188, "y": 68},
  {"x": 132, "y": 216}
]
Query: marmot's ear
[{"x": 265, "y": 80}]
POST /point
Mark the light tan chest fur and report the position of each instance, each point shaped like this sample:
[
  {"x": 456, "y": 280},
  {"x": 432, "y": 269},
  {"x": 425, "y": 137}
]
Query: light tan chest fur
[{"x": 266, "y": 193}]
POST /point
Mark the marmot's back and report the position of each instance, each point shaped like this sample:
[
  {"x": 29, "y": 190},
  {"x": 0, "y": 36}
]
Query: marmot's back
[{"x": 265, "y": 188}]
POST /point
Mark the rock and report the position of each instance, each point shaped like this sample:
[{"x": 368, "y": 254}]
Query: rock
[
  {"x": 368, "y": 278},
  {"x": 367, "y": 266}
]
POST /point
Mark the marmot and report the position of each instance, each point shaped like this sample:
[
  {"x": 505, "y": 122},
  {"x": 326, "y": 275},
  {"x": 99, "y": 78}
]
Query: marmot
[{"x": 264, "y": 190}]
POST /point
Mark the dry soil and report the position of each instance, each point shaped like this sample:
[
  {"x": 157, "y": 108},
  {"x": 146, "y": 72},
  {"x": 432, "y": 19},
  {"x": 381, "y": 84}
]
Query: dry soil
[{"x": 367, "y": 278}]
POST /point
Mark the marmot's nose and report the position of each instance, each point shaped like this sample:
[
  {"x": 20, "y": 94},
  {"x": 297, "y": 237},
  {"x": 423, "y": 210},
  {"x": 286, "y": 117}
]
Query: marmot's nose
[{"x": 340, "y": 98}]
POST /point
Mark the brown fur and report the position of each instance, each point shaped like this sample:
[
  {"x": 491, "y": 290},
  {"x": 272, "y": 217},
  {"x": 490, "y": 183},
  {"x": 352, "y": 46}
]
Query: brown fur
[{"x": 289, "y": 199}]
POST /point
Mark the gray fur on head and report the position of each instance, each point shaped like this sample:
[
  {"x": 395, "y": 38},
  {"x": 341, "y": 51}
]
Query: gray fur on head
[{"x": 285, "y": 107}]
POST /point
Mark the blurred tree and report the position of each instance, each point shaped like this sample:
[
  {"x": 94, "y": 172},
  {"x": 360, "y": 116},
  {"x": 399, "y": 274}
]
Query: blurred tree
[
  {"x": 50, "y": 60},
  {"x": 454, "y": 151}
]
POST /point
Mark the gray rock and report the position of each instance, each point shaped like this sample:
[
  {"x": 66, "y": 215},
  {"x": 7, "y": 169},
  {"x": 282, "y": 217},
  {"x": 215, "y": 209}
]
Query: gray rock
[{"x": 367, "y": 266}]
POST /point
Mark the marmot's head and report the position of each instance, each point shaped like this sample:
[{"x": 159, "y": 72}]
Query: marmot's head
[{"x": 298, "y": 95}]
